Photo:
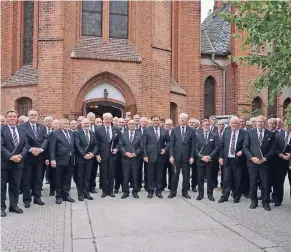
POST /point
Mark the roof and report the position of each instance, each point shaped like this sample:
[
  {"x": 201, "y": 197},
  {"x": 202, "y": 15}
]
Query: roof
[
  {"x": 176, "y": 88},
  {"x": 26, "y": 75},
  {"x": 97, "y": 48},
  {"x": 216, "y": 33}
]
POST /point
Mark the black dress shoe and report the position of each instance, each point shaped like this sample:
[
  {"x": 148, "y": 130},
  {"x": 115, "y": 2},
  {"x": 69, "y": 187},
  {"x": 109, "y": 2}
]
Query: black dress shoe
[
  {"x": 81, "y": 198},
  {"x": 52, "y": 193},
  {"x": 186, "y": 195},
  {"x": 254, "y": 205},
  {"x": 277, "y": 203},
  {"x": 69, "y": 199},
  {"x": 15, "y": 209},
  {"x": 172, "y": 195},
  {"x": 200, "y": 197},
  {"x": 135, "y": 195},
  {"x": 38, "y": 202},
  {"x": 27, "y": 204},
  {"x": 236, "y": 201},
  {"x": 222, "y": 199},
  {"x": 93, "y": 190},
  {"x": 115, "y": 191},
  {"x": 211, "y": 198},
  {"x": 267, "y": 207},
  {"x": 159, "y": 195},
  {"x": 150, "y": 195},
  {"x": 272, "y": 200},
  {"x": 47, "y": 182},
  {"x": 111, "y": 195},
  {"x": 3, "y": 214},
  {"x": 88, "y": 197},
  {"x": 103, "y": 195},
  {"x": 260, "y": 198},
  {"x": 194, "y": 190},
  {"x": 125, "y": 195},
  {"x": 58, "y": 200}
]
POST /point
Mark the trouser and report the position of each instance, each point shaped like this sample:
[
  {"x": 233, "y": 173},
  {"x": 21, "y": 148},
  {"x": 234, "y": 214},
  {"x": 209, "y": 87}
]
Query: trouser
[
  {"x": 92, "y": 183},
  {"x": 155, "y": 176},
  {"x": 205, "y": 169},
  {"x": 32, "y": 177},
  {"x": 279, "y": 178},
  {"x": 63, "y": 180},
  {"x": 118, "y": 175},
  {"x": 185, "y": 166},
  {"x": 83, "y": 177},
  {"x": 130, "y": 170},
  {"x": 232, "y": 178},
  {"x": 168, "y": 169},
  {"x": 107, "y": 169},
  {"x": 47, "y": 170},
  {"x": 194, "y": 177},
  {"x": 259, "y": 171},
  {"x": 245, "y": 183},
  {"x": 75, "y": 174},
  {"x": 215, "y": 169},
  {"x": 52, "y": 178},
  {"x": 12, "y": 177}
]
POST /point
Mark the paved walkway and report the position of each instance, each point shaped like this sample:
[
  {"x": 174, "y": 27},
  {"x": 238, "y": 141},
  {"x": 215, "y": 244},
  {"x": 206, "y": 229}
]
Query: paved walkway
[{"x": 143, "y": 225}]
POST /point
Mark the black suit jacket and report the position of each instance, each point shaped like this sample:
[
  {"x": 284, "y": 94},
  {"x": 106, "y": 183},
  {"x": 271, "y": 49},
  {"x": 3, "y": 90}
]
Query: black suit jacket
[
  {"x": 135, "y": 147},
  {"x": 60, "y": 149},
  {"x": 182, "y": 150},
  {"x": 152, "y": 147},
  {"x": 82, "y": 147},
  {"x": 280, "y": 143},
  {"x": 225, "y": 145},
  {"x": 252, "y": 147},
  {"x": 8, "y": 148},
  {"x": 209, "y": 148},
  {"x": 40, "y": 141},
  {"x": 105, "y": 146},
  {"x": 47, "y": 151}
]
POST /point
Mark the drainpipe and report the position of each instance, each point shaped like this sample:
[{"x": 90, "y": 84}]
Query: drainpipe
[{"x": 223, "y": 82}]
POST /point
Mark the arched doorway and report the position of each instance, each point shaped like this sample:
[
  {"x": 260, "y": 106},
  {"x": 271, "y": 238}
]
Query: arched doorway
[
  {"x": 285, "y": 105},
  {"x": 257, "y": 105},
  {"x": 209, "y": 97},
  {"x": 23, "y": 105},
  {"x": 101, "y": 107}
]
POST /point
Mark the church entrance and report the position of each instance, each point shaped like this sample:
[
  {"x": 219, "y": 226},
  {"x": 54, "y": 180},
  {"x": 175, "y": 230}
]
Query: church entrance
[{"x": 101, "y": 107}]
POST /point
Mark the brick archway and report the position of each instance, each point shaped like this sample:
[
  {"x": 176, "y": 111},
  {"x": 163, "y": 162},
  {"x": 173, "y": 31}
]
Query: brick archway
[{"x": 111, "y": 79}]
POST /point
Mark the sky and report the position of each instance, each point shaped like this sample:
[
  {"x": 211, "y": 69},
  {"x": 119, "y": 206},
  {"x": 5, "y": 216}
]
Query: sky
[{"x": 205, "y": 6}]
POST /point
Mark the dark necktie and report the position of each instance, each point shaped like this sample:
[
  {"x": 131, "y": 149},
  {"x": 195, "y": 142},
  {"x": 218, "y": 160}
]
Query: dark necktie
[
  {"x": 220, "y": 133},
  {"x": 286, "y": 138},
  {"x": 206, "y": 137},
  {"x": 67, "y": 136},
  {"x": 49, "y": 131},
  {"x": 183, "y": 133},
  {"x": 87, "y": 136},
  {"x": 108, "y": 134},
  {"x": 260, "y": 137},
  {"x": 232, "y": 147},
  {"x": 131, "y": 137},
  {"x": 15, "y": 137},
  {"x": 156, "y": 133},
  {"x": 34, "y": 130}
]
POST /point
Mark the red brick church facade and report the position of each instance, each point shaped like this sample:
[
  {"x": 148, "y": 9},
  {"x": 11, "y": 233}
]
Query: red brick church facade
[{"x": 65, "y": 58}]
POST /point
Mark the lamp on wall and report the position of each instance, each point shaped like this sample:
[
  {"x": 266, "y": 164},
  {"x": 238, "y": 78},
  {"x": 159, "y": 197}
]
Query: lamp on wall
[{"x": 105, "y": 93}]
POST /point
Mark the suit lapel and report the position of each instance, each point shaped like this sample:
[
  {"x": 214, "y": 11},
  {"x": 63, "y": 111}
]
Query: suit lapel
[
  {"x": 228, "y": 139},
  {"x": 30, "y": 131},
  {"x": 63, "y": 135}
]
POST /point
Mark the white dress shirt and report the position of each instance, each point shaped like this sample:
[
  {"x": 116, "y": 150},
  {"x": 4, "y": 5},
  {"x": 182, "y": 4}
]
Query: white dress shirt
[
  {"x": 289, "y": 137},
  {"x": 263, "y": 133},
  {"x": 89, "y": 137},
  {"x": 16, "y": 131},
  {"x": 229, "y": 149},
  {"x": 110, "y": 130},
  {"x": 31, "y": 125},
  {"x": 92, "y": 128},
  {"x": 158, "y": 131},
  {"x": 129, "y": 134},
  {"x": 182, "y": 130}
]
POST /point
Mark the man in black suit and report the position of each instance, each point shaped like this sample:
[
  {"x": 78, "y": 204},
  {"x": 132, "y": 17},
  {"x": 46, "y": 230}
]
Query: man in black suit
[
  {"x": 131, "y": 147},
  {"x": 156, "y": 144},
  {"x": 34, "y": 162},
  {"x": 48, "y": 123},
  {"x": 168, "y": 166},
  {"x": 182, "y": 149},
  {"x": 230, "y": 157},
  {"x": 14, "y": 148},
  {"x": 62, "y": 151},
  {"x": 259, "y": 148},
  {"x": 107, "y": 137},
  {"x": 86, "y": 150},
  {"x": 282, "y": 151},
  {"x": 206, "y": 151},
  {"x": 194, "y": 177}
]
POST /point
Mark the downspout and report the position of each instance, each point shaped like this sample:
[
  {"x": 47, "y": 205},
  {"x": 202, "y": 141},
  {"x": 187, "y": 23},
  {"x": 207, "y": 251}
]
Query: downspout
[{"x": 223, "y": 82}]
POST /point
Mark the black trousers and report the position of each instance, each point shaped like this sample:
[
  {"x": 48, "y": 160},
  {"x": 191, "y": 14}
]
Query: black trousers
[
  {"x": 107, "y": 169},
  {"x": 168, "y": 169},
  {"x": 75, "y": 174},
  {"x": 232, "y": 175},
  {"x": 92, "y": 184},
  {"x": 130, "y": 170},
  {"x": 63, "y": 180},
  {"x": 52, "y": 178},
  {"x": 215, "y": 170},
  {"x": 261, "y": 171},
  {"x": 83, "y": 177},
  {"x": 32, "y": 178},
  {"x": 47, "y": 170},
  {"x": 289, "y": 178},
  {"x": 245, "y": 183},
  {"x": 12, "y": 177},
  {"x": 279, "y": 178},
  {"x": 155, "y": 176},
  {"x": 118, "y": 180},
  {"x": 205, "y": 169},
  {"x": 185, "y": 166},
  {"x": 194, "y": 177}
]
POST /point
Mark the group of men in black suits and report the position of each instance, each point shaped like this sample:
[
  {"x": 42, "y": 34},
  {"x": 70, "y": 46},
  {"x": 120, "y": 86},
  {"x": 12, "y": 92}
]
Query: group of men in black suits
[{"x": 126, "y": 149}]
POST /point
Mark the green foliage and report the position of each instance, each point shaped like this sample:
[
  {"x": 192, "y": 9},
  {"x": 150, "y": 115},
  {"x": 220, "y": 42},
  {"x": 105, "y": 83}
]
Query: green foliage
[
  {"x": 265, "y": 23},
  {"x": 288, "y": 114}
]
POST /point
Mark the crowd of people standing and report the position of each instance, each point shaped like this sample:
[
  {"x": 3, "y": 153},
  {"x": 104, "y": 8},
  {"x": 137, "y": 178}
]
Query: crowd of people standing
[{"x": 143, "y": 153}]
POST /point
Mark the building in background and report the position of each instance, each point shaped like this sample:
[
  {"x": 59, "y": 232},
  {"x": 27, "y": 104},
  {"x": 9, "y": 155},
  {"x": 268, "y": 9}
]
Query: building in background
[{"x": 66, "y": 58}]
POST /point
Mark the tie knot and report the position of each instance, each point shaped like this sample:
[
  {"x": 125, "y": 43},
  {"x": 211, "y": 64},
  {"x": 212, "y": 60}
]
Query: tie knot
[
  {"x": 12, "y": 127},
  {"x": 66, "y": 131},
  {"x": 260, "y": 130},
  {"x": 107, "y": 127}
]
